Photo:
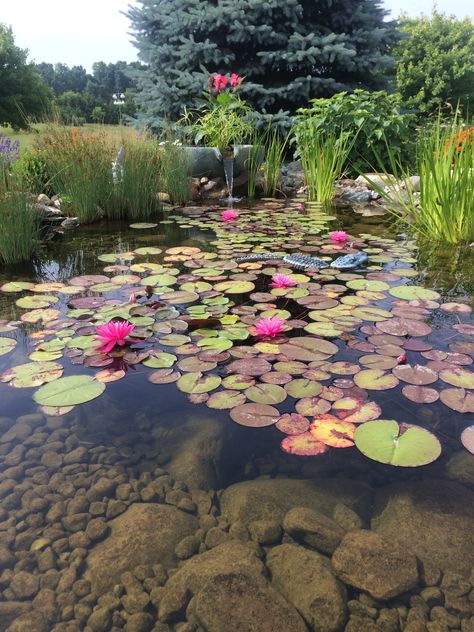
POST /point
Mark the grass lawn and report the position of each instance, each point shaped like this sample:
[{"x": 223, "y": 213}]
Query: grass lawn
[{"x": 27, "y": 138}]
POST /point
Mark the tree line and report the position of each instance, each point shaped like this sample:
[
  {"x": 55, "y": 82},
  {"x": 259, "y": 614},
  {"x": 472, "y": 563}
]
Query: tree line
[{"x": 288, "y": 52}]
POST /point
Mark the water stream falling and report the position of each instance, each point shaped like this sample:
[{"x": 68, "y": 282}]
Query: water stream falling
[{"x": 229, "y": 178}]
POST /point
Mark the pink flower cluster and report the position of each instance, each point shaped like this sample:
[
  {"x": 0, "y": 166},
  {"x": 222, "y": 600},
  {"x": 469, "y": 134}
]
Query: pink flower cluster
[
  {"x": 229, "y": 215},
  {"x": 113, "y": 333},
  {"x": 220, "y": 82},
  {"x": 269, "y": 327},
  {"x": 339, "y": 236},
  {"x": 281, "y": 280}
]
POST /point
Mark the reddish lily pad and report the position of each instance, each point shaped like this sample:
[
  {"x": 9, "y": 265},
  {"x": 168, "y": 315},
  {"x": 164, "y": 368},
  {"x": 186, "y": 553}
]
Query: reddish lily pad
[
  {"x": 458, "y": 399},
  {"x": 164, "y": 376},
  {"x": 312, "y": 406},
  {"x": 255, "y": 415},
  {"x": 254, "y": 366},
  {"x": 355, "y": 411},
  {"x": 418, "y": 374},
  {"x": 333, "y": 432},
  {"x": 404, "y": 327},
  {"x": 56, "y": 411},
  {"x": 292, "y": 424},
  {"x": 303, "y": 444},
  {"x": 109, "y": 375},
  {"x": 420, "y": 394},
  {"x": 467, "y": 438}
]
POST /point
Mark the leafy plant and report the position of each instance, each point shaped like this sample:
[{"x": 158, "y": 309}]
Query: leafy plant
[
  {"x": 173, "y": 170},
  {"x": 135, "y": 194},
  {"x": 445, "y": 208},
  {"x": 323, "y": 157},
  {"x": 36, "y": 171},
  {"x": 369, "y": 118}
]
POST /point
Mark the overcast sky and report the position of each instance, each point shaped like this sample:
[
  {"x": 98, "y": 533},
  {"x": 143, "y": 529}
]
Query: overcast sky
[{"x": 80, "y": 33}]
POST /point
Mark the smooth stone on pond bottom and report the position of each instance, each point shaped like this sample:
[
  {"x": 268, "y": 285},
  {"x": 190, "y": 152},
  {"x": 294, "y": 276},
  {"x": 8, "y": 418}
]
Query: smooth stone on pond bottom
[
  {"x": 144, "y": 534},
  {"x": 234, "y": 602},
  {"x": 24, "y": 584},
  {"x": 139, "y": 622},
  {"x": 306, "y": 580},
  {"x": 432, "y": 518},
  {"x": 375, "y": 565},
  {"x": 10, "y": 610},
  {"x": 100, "y": 620},
  {"x": 313, "y": 529},
  {"x": 271, "y": 499}
]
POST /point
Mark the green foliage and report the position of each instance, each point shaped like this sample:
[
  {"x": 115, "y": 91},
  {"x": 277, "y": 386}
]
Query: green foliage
[
  {"x": 287, "y": 51},
  {"x": 23, "y": 94},
  {"x": 435, "y": 66},
  {"x": 275, "y": 146},
  {"x": 19, "y": 237},
  {"x": 35, "y": 170},
  {"x": 135, "y": 195},
  {"x": 323, "y": 157},
  {"x": 369, "y": 118},
  {"x": 174, "y": 172},
  {"x": 445, "y": 209}
]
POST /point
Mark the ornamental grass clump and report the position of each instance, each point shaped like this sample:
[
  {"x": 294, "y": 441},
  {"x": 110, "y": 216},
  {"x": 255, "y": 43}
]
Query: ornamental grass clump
[
  {"x": 323, "y": 155},
  {"x": 81, "y": 161},
  {"x": 173, "y": 171},
  {"x": 444, "y": 208},
  {"x": 137, "y": 181},
  {"x": 19, "y": 234}
]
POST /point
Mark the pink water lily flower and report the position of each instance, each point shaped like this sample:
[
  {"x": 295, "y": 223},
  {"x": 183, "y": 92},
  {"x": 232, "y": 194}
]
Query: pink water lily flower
[
  {"x": 113, "y": 333},
  {"x": 229, "y": 215},
  {"x": 281, "y": 280},
  {"x": 339, "y": 236},
  {"x": 270, "y": 327}
]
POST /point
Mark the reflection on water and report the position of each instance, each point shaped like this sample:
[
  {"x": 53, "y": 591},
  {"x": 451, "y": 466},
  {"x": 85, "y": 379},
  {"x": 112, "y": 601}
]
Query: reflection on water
[{"x": 141, "y": 511}]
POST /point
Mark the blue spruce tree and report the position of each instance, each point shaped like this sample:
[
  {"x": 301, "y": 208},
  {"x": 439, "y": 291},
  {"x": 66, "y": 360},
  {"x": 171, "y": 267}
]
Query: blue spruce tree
[{"x": 288, "y": 51}]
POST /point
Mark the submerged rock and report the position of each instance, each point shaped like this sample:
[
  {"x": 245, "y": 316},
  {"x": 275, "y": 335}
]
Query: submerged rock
[
  {"x": 305, "y": 578},
  {"x": 432, "y": 518},
  {"x": 271, "y": 499},
  {"x": 313, "y": 529},
  {"x": 375, "y": 565},
  {"x": 144, "y": 534}
]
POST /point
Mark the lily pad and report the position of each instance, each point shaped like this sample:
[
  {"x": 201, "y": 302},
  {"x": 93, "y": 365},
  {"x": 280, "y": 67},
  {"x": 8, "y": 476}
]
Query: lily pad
[
  {"x": 467, "y": 438},
  {"x": 160, "y": 360},
  {"x": 333, "y": 432},
  {"x": 255, "y": 415},
  {"x": 6, "y": 345},
  {"x": 403, "y": 445},
  {"x": 32, "y": 374},
  {"x": 421, "y": 394},
  {"x": 458, "y": 377},
  {"x": 266, "y": 393},
  {"x": 197, "y": 382},
  {"x": 68, "y": 391},
  {"x": 458, "y": 399},
  {"x": 143, "y": 225},
  {"x": 223, "y": 400},
  {"x": 418, "y": 374},
  {"x": 409, "y": 292},
  {"x": 235, "y": 287},
  {"x": 16, "y": 286},
  {"x": 36, "y": 301},
  {"x": 303, "y": 444},
  {"x": 164, "y": 376},
  {"x": 375, "y": 380},
  {"x": 292, "y": 424}
]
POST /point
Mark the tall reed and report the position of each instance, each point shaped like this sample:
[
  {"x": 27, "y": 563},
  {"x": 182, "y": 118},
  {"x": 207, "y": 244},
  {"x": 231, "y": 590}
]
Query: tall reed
[
  {"x": 173, "y": 171},
  {"x": 275, "y": 146},
  {"x": 19, "y": 235},
  {"x": 81, "y": 162},
  {"x": 136, "y": 187},
  {"x": 444, "y": 208},
  {"x": 323, "y": 156}
]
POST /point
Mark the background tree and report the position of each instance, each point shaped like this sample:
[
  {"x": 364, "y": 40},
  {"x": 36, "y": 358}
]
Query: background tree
[
  {"x": 23, "y": 94},
  {"x": 435, "y": 64},
  {"x": 288, "y": 51}
]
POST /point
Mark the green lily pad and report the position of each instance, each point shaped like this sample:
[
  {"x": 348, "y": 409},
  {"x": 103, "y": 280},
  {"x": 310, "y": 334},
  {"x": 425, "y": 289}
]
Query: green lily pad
[
  {"x": 36, "y": 301},
  {"x": 45, "y": 356},
  {"x": 6, "y": 345},
  {"x": 266, "y": 393},
  {"x": 371, "y": 286},
  {"x": 235, "y": 287},
  {"x": 142, "y": 225},
  {"x": 159, "y": 280},
  {"x": 458, "y": 377},
  {"x": 160, "y": 360},
  {"x": 68, "y": 391},
  {"x": 375, "y": 380},
  {"x": 403, "y": 445},
  {"x": 323, "y": 329},
  {"x": 147, "y": 250},
  {"x": 467, "y": 438},
  {"x": 197, "y": 382},
  {"x": 16, "y": 286},
  {"x": 409, "y": 292},
  {"x": 218, "y": 344},
  {"x": 223, "y": 400},
  {"x": 32, "y": 374},
  {"x": 302, "y": 387}
]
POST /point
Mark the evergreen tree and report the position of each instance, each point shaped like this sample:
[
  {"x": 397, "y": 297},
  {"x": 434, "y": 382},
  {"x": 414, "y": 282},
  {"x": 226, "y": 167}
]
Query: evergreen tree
[{"x": 288, "y": 52}]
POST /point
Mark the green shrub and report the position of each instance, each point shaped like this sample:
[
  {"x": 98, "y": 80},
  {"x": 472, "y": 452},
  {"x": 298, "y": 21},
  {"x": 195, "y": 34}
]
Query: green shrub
[
  {"x": 36, "y": 171},
  {"x": 445, "y": 208},
  {"x": 369, "y": 117}
]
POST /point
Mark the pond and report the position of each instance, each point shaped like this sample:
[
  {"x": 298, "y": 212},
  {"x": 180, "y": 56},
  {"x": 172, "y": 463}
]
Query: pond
[{"x": 203, "y": 478}]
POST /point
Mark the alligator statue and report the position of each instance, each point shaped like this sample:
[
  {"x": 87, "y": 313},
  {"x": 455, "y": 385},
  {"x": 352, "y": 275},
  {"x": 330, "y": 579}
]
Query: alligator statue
[{"x": 305, "y": 262}]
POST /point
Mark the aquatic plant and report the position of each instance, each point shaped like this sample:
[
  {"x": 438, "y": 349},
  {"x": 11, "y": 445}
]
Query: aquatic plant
[
  {"x": 323, "y": 157},
  {"x": 269, "y": 327},
  {"x": 113, "y": 333},
  {"x": 229, "y": 215},
  {"x": 444, "y": 208},
  {"x": 338, "y": 236},
  {"x": 282, "y": 280},
  {"x": 275, "y": 146},
  {"x": 19, "y": 234},
  {"x": 173, "y": 171}
]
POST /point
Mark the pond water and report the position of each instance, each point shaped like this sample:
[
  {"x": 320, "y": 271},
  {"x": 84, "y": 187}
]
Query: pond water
[{"x": 162, "y": 505}]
